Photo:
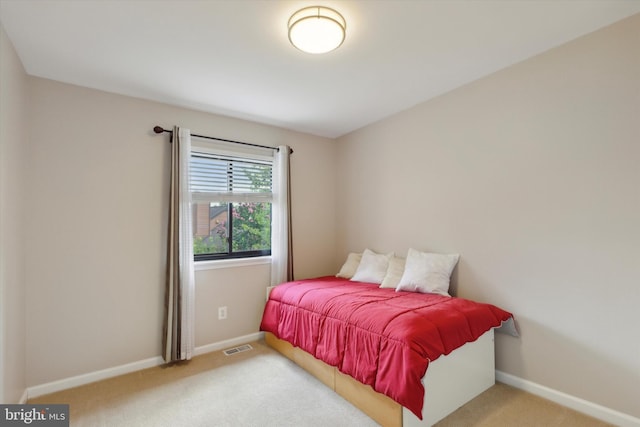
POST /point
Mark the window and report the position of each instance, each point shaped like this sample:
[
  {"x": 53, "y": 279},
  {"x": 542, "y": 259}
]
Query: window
[{"x": 231, "y": 206}]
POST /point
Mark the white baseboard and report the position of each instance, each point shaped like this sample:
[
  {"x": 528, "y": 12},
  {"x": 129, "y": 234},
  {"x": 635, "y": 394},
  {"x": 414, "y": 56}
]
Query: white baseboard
[
  {"x": 78, "y": 380},
  {"x": 66, "y": 383},
  {"x": 221, "y": 345},
  {"x": 589, "y": 408},
  {"x": 24, "y": 398}
]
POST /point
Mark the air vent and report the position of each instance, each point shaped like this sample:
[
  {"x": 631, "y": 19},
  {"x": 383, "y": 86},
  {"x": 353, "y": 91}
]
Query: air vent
[{"x": 239, "y": 349}]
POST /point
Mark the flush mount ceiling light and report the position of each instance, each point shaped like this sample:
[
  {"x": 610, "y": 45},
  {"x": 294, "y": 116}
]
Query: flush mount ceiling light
[{"x": 316, "y": 29}]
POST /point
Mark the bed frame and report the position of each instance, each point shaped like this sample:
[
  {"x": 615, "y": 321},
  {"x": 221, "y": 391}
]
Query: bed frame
[{"x": 450, "y": 382}]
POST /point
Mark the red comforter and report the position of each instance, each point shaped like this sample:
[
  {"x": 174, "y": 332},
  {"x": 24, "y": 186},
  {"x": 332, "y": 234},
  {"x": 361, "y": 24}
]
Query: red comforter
[{"x": 380, "y": 337}]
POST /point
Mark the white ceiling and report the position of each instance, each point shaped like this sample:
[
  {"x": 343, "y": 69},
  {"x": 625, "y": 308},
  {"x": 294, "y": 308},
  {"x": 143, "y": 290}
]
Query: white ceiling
[{"x": 234, "y": 58}]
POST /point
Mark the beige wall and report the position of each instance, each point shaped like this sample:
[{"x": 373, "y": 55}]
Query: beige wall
[
  {"x": 13, "y": 140},
  {"x": 97, "y": 190},
  {"x": 531, "y": 174}
]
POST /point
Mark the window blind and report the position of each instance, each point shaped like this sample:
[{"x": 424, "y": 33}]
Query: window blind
[{"x": 221, "y": 178}]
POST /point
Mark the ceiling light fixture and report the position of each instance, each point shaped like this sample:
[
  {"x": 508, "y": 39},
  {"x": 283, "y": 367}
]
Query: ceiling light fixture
[{"x": 317, "y": 29}]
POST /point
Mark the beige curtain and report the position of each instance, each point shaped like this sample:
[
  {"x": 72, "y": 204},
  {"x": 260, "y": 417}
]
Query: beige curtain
[{"x": 178, "y": 337}]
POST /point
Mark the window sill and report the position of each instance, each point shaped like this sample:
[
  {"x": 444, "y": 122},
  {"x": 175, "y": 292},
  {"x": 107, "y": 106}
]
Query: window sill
[{"x": 231, "y": 263}]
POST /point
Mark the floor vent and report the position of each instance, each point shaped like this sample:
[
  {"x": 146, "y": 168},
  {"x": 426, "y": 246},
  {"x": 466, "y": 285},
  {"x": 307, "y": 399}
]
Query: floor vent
[{"x": 239, "y": 349}]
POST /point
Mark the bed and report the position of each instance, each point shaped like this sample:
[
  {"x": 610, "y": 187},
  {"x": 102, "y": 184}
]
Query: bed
[{"x": 404, "y": 358}]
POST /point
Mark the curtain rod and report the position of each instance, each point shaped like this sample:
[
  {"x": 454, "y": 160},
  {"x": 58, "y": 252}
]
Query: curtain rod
[{"x": 159, "y": 129}]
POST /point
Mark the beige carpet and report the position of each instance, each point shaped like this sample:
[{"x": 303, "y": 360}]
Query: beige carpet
[{"x": 261, "y": 388}]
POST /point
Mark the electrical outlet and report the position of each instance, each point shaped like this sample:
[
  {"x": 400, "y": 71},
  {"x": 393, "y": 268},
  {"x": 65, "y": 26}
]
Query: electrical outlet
[{"x": 222, "y": 313}]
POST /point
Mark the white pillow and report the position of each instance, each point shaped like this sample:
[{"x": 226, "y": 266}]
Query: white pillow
[
  {"x": 372, "y": 268},
  {"x": 427, "y": 272},
  {"x": 350, "y": 266},
  {"x": 394, "y": 273}
]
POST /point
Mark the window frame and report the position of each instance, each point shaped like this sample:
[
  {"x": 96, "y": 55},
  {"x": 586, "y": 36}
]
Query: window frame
[
  {"x": 242, "y": 154},
  {"x": 230, "y": 254}
]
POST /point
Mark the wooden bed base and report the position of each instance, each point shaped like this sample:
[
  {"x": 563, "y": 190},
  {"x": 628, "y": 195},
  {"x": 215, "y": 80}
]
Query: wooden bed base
[{"x": 450, "y": 382}]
